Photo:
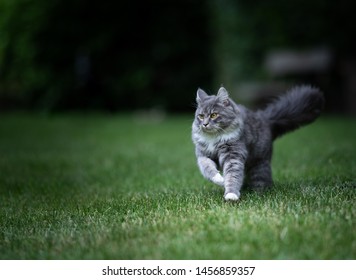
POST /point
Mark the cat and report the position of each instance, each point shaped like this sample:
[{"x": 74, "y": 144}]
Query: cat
[{"x": 237, "y": 141}]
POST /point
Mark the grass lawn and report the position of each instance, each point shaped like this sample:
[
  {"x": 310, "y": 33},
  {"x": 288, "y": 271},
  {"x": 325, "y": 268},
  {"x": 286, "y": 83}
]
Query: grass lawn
[{"x": 121, "y": 187}]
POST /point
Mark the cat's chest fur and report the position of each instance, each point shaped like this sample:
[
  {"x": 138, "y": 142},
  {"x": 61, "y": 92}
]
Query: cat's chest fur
[{"x": 209, "y": 144}]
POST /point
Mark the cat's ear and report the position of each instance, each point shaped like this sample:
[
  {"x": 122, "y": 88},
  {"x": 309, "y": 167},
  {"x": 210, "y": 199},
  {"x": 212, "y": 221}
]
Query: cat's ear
[
  {"x": 201, "y": 95},
  {"x": 223, "y": 96}
]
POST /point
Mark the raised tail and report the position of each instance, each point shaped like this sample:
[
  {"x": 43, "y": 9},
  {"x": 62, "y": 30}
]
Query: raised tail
[{"x": 299, "y": 106}]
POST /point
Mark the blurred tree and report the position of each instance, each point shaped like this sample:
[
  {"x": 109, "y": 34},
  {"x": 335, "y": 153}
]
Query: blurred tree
[
  {"x": 20, "y": 20},
  {"x": 70, "y": 54}
]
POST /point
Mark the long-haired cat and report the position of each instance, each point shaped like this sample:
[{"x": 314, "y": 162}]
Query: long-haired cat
[{"x": 236, "y": 141}]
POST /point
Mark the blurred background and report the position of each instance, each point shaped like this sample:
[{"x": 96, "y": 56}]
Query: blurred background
[{"x": 64, "y": 55}]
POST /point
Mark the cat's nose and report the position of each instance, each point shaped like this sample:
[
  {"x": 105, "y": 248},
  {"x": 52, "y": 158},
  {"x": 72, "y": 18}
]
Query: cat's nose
[{"x": 205, "y": 124}]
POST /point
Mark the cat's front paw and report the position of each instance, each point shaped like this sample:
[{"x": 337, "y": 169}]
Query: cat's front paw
[
  {"x": 231, "y": 197},
  {"x": 218, "y": 179}
]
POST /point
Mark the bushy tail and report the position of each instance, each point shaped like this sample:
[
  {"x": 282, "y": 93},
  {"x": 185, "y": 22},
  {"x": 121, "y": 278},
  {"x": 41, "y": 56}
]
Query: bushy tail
[{"x": 301, "y": 105}]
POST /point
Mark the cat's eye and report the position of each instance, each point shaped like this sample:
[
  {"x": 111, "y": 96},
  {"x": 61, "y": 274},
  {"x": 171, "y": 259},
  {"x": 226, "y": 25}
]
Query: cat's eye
[
  {"x": 213, "y": 115},
  {"x": 201, "y": 116}
]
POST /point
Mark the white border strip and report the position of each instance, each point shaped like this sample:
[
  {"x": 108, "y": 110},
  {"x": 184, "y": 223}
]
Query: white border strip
[{"x": 96, "y": 270}]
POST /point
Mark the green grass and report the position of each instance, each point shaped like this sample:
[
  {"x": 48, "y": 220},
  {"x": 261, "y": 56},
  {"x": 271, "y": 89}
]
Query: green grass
[{"x": 119, "y": 187}]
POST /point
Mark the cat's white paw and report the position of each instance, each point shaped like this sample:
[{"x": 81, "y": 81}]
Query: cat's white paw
[
  {"x": 231, "y": 197},
  {"x": 218, "y": 179}
]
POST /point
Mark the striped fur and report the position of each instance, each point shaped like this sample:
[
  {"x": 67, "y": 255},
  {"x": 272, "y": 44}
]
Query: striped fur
[{"x": 233, "y": 140}]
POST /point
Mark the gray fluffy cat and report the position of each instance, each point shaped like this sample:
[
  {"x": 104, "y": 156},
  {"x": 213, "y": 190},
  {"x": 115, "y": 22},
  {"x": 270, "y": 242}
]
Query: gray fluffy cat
[{"x": 237, "y": 141}]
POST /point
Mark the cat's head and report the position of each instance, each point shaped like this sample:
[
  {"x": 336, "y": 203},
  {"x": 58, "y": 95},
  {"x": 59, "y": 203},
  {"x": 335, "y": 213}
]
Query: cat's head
[{"x": 215, "y": 114}]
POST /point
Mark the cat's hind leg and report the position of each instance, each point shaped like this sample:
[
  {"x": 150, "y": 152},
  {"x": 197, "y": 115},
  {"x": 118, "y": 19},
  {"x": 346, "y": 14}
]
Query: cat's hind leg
[{"x": 260, "y": 176}]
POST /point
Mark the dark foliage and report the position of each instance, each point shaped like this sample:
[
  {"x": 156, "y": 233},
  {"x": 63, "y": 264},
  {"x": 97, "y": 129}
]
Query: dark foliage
[
  {"x": 129, "y": 54},
  {"x": 104, "y": 55}
]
